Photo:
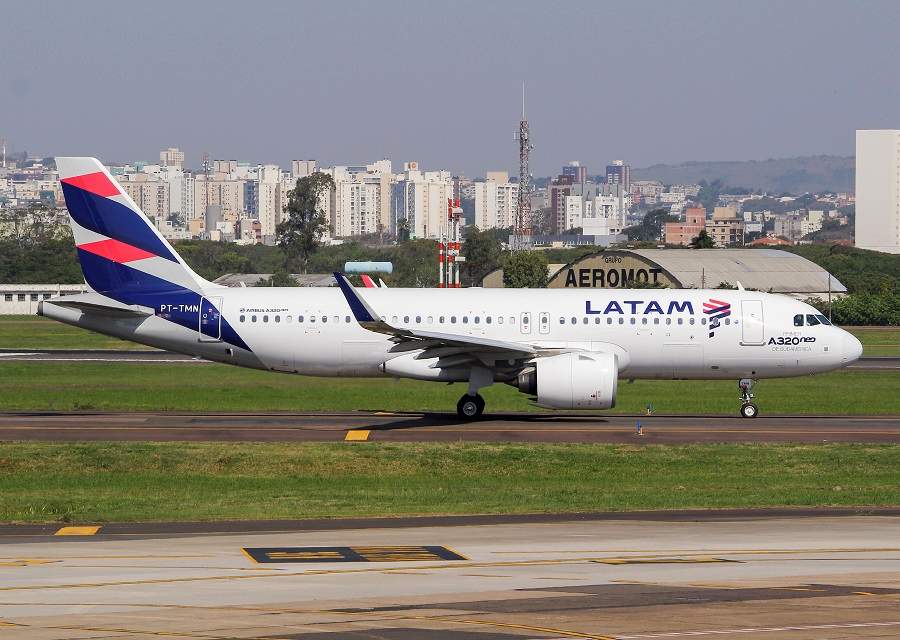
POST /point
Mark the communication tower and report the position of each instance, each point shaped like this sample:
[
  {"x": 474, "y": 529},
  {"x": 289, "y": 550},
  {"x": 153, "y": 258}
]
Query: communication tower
[{"x": 522, "y": 233}]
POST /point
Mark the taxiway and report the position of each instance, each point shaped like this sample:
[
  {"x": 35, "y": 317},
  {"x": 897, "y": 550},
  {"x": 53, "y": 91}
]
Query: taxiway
[{"x": 773, "y": 577}]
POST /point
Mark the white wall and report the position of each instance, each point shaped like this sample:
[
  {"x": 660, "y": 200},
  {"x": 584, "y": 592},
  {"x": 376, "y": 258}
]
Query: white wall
[{"x": 878, "y": 190}]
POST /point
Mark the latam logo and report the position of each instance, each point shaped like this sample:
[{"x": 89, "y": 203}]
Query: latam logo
[
  {"x": 716, "y": 310},
  {"x": 644, "y": 307}
]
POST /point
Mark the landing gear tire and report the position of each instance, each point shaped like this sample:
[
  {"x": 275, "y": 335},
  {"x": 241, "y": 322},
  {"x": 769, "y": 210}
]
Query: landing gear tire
[
  {"x": 749, "y": 410},
  {"x": 470, "y": 407}
]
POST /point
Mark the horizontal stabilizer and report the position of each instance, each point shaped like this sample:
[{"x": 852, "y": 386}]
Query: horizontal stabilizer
[{"x": 96, "y": 304}]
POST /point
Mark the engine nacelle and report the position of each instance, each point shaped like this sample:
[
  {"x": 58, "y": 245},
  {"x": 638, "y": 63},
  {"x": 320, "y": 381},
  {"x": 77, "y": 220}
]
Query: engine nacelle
[{"x": 573, "y": 381}]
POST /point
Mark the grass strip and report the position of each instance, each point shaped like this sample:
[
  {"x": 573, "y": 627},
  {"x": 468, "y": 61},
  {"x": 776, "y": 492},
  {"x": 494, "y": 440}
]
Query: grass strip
[
  {"x": 97, "y": 482},
  {"x": 111, "y": 386}
]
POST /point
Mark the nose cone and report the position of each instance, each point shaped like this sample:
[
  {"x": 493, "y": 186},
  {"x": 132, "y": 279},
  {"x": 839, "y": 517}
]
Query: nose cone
[{"x": 852, "y": 349}]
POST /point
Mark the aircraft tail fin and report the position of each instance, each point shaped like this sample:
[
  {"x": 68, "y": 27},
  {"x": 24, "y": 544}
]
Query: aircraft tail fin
[{"x": 120, "y": 250}]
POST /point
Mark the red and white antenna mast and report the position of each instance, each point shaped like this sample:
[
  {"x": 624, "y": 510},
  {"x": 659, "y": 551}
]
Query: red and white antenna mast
[{"x": 449, "y": 247}]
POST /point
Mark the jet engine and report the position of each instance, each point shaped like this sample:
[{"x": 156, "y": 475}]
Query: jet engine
[{"x": 573, "y": 381}]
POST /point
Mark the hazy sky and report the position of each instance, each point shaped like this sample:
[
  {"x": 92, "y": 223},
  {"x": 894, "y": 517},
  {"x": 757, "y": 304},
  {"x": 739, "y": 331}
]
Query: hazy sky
[{"x": 349, "y": 82}]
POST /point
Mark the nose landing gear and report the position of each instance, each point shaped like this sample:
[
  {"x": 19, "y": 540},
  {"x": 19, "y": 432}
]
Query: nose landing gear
[{"x": 748, "y": 409}]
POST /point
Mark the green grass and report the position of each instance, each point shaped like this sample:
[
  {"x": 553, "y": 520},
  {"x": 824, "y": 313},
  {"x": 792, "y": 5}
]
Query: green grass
[
  {"x": 65, "y": 386},
  {"x": 878, "y": 341},
  {"x": 42, "y": 482},
  {"x": 35, "y": 332}
]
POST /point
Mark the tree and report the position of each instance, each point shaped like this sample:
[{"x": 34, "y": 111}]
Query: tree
[
  {"x": 277, "y": 279},
  {"x": 709, "y": 193},
  {"x": 403, "y": 230},
  {"x": 482, "y": 251},
  {"x": 525, "y": 269},
  {"x": 651, "y": 227},
  {"x": 415, "y": 264},
  {"x": 702, "y": 241},
  {"x": 299, "y": 234}
]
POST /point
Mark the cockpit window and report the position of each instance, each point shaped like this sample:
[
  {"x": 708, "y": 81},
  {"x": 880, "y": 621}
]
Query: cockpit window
[
  {"x": 823, "y": 319},
  {"x": 811, "y": 320},
  {"x": 798, "y": 320}
]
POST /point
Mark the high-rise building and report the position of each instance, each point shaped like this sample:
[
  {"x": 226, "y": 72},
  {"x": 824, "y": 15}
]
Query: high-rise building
[
  {"x": 302, "y": 168},
  {"x": 149, "y": 193},
  {"x": 360, "y": 203},
  {"x": 495, "y": 201},
  {"x": 172, "y": 157},
  {"x": 559, "y": 189},
  {"x": 576, "y": 171},
  {"x": 878, "y": 190},
  {"x": 420, "y": 198},
  {"x": 619, "y": 173},
  {"x": 228, "y": 193}
]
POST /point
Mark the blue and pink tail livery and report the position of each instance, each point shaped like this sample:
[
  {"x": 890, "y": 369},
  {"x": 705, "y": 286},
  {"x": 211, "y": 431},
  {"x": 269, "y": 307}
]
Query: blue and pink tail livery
[
  {"x": 118, "y": 247},
  {"x": 125, "y": 258}
]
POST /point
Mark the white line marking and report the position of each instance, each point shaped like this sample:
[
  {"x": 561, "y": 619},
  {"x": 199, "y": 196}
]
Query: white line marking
[{"x": 710, "y": 632}]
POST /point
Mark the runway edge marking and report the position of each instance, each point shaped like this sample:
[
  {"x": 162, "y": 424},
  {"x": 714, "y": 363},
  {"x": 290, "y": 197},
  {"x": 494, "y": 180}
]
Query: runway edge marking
[
  {"x": 77, "y": 531},
  {"x": 357, "y": 435}
]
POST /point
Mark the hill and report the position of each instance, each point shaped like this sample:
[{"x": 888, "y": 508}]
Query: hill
[{"x": 813, "y": 174}]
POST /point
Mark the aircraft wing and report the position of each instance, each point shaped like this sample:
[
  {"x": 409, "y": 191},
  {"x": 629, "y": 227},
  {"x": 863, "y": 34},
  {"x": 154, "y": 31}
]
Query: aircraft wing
[{"x": 435, "y": 343}]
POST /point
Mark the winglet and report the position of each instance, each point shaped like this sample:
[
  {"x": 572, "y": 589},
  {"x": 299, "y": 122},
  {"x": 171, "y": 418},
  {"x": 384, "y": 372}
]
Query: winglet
[{"x": 361, "y": 311}]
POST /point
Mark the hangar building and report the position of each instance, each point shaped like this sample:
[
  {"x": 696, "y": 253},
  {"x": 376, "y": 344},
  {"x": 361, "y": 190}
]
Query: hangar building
[{"x": 762, "y": 269}]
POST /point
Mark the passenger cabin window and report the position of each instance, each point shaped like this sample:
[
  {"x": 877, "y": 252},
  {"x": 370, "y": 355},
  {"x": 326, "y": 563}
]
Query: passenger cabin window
[
  {"x": 798, "y": 320},
  {"x": 252, "y": 318},
  {"x": 346, "y": 319},
  {"x": 299, "y": 318},
  {"x": 277, "y": 318},
  {"x": 811, "y": 320}
]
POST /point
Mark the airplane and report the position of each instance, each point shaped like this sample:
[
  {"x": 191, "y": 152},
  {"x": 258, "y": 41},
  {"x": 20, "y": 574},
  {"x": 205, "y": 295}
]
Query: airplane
[{"x": 566, "y": 348}]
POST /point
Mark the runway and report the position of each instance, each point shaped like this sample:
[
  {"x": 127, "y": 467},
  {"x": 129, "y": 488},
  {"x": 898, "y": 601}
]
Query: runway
[
  {"x": 436, "y": 427},
  {"x": 875, "y": 363},
  {"x": 771, "y": 576}
]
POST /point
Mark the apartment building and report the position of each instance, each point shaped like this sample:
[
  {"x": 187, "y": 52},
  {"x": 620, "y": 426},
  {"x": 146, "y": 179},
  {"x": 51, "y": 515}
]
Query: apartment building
[{"x": 495, "y": 201}]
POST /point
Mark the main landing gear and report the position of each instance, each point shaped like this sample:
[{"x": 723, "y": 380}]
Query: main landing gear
[
  {"x": 748, "y": 409},
  {"x": 470, "y": 407}
]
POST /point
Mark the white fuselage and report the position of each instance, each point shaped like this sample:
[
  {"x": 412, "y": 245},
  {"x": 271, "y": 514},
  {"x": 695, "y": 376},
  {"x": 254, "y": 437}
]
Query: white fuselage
[{"x": 655, "y": 333}]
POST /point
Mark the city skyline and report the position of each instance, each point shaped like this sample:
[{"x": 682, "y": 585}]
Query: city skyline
[{"x": 654, "y": 83}]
